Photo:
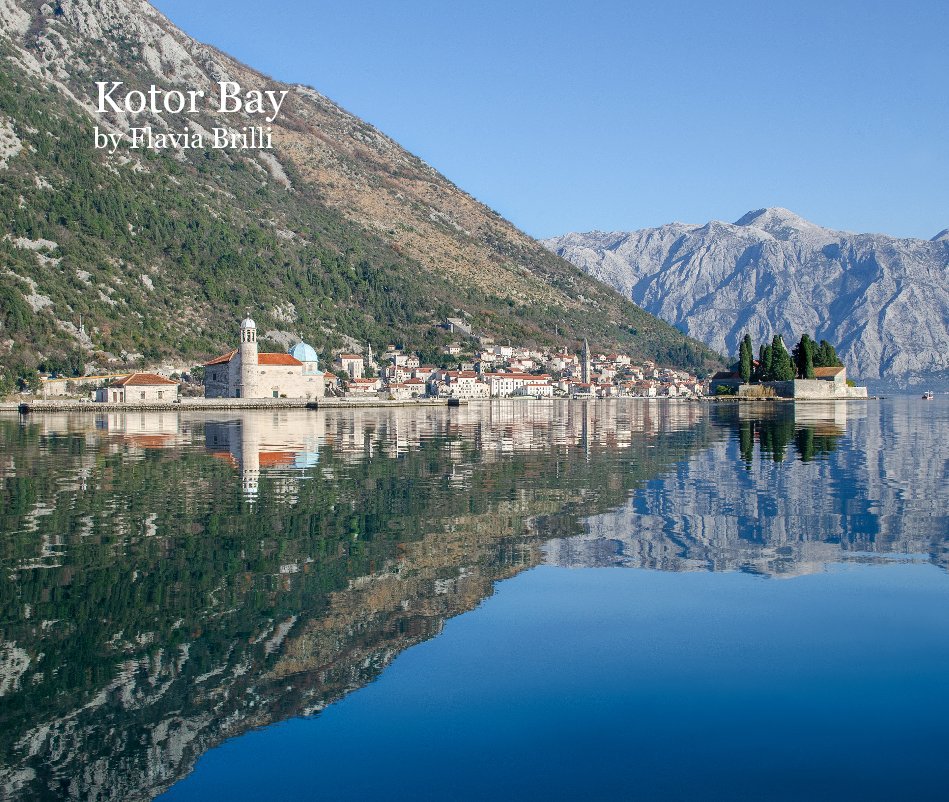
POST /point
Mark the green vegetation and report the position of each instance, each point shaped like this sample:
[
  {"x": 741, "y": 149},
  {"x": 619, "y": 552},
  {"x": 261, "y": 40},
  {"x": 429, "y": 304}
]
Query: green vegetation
[
  {"x": 776, "y": 364},
  {"x": 825, "y": 356},
  {"x": 804, "y": 357},
  {"x": 745, "y": 359}
]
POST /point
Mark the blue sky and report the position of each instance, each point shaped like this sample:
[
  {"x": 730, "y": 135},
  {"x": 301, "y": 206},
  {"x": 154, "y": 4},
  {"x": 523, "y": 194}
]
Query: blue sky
[{"x": 565, "y": 116}]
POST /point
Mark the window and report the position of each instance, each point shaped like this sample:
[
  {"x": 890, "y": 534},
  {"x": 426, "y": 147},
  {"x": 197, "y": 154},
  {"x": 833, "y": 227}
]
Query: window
[
  {"x": 276, "y": 393},
  {"x": 160, "y": 395},
  {"x": 143, "y": 395}
]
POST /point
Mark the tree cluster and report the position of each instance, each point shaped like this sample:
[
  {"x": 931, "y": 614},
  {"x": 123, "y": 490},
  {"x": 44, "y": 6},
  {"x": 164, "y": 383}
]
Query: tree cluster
[{"x": 775, "y": 363}]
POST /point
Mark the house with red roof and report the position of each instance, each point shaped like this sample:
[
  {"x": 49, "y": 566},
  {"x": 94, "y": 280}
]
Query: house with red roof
[{"x": 139, "y": 388}]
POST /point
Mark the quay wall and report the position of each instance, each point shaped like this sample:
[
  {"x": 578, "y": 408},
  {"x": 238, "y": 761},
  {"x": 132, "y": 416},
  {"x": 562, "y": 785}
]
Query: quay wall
[{"x": 217, "y": 404}]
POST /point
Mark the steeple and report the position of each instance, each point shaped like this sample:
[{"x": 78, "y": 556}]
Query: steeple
[
  {"x": 585, "y": 362},
  {"x": 248, "y": 354}
]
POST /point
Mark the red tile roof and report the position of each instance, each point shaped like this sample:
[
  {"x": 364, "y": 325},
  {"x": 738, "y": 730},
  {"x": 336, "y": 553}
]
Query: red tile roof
[
  {"x": 222, "y": 360},
  {"x": 144, "y": 380},
  {"x": 277, "y": 359},
  {"x": 827, "y": 373},
  {"x": 262, "y": 359}
]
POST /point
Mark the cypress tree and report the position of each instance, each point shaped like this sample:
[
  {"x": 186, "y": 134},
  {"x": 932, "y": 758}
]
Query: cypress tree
[
  {"x": 744, "y": 359},
  {"x": 826, "y": 356},
  {"x": 767, "y": 360},
  {"x": 808, "y": 371},
  {"x": 804, "y": 357},
  {"x": 782, "y": 368}
]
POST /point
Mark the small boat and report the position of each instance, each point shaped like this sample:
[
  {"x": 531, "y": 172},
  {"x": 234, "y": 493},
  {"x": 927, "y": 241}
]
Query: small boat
[{"x": 928, "y": 395}]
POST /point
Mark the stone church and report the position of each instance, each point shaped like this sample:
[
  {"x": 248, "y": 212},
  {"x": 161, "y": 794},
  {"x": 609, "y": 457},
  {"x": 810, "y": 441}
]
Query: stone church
[{"x": 245, "y": 373}]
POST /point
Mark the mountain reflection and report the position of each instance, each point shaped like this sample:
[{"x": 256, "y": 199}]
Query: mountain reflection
[
  {"x": 172, "y": 580},
  {"x": 796, "y": 487}
]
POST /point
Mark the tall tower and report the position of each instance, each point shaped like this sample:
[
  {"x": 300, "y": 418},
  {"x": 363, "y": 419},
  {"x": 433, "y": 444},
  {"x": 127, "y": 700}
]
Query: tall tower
[
  {"x": 248, "y": 352},
  {"x": 370, "y": 362},
  {"x": 585, "y": 362}
]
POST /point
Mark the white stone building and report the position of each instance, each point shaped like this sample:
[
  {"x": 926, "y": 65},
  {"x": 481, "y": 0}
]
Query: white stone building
[
  {"x": 245, "y": 373},
  {"x": 352, "y": 364}
]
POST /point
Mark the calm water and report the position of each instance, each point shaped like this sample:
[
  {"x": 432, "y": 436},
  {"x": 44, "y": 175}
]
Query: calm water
[{"x": 525, "y": 600}]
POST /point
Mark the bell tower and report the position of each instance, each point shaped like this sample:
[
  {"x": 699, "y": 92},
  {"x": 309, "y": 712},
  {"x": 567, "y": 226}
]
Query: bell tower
[{"x": 247, "y": 387}]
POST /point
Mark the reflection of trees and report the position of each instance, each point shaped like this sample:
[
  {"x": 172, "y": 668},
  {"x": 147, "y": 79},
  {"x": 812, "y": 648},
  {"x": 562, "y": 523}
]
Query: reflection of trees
[
  {"x": 150, "y": 597},
  {"x": 810, "y": 444},
  {"x": 775, "y": 428}
]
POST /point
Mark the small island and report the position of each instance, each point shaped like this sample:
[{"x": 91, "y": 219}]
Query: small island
[{"x": 810, "y": 372}]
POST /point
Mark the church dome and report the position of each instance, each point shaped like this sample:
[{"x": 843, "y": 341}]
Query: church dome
[
  {"x": 248, "y": 323},
  {"x": 304, "y": 352}
]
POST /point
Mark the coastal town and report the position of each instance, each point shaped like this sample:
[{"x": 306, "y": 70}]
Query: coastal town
[{"x": 472, "y": 367}]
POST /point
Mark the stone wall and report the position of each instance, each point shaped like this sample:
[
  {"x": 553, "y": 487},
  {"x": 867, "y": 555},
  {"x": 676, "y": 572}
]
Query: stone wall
[
  {"x": 819, "y": 389},
  {"x": 803, "y": 390}
]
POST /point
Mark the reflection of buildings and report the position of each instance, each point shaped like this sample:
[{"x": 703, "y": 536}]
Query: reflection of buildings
[{"x": 288, "y": 441}]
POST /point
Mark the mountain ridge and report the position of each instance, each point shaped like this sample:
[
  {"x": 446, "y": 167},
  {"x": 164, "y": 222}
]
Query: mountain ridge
[
  {"x": 338, "y": 235},
  {"x": 883, "y": 300}
]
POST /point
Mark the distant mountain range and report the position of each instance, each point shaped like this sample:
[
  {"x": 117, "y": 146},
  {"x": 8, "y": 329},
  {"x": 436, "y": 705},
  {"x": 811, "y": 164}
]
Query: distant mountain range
[
  {"x": 883, "y": 301},
  {"x": 338, "y": 235}
]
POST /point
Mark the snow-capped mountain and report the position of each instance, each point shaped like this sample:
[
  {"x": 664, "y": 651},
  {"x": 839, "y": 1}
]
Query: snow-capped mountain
[{"x": 883, "y": 301}]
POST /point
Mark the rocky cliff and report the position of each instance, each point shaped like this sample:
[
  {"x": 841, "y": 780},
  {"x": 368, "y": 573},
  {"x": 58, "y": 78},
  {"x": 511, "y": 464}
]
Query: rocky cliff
[{"x": 883, "y": 301}]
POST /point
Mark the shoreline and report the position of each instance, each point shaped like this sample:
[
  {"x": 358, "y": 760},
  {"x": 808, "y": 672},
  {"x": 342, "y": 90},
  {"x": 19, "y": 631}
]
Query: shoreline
[
  {"x": 209, "y": 404},
  {"x": 206, "y": 404}
]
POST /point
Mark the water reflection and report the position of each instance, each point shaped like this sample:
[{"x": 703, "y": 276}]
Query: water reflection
[
  {"x": 796, "y": 487},
  {"x": 172, "y": 580},
  {"x": 814, "y": 429}
]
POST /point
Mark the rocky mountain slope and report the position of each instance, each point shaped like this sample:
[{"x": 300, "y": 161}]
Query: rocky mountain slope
[
  {"x": 337, "y": 235},
  {"x": 884, "y": 301}
]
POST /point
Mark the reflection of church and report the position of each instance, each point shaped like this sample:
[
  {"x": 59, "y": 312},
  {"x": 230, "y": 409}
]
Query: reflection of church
[
  {"x": 245, "y": 373},
  {"x": 260, "y": 442}
]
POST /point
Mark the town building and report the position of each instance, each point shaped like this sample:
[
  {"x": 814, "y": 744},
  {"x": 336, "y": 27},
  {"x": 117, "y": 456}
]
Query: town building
[
  {"x": 352, "y": 364},
  {"x": 363, "y": 387}
]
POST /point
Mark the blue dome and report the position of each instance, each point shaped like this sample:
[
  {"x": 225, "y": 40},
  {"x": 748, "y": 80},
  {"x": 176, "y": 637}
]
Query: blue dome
[{"x": 304, "y": 352}]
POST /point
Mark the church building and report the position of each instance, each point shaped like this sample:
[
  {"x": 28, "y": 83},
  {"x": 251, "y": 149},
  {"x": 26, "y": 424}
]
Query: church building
[{"x": 245, "y": 373}]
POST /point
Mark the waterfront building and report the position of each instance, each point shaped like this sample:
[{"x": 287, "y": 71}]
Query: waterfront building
[
  {"x": 245, "y": 373},
  {"x": 139, "y": 388}
]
